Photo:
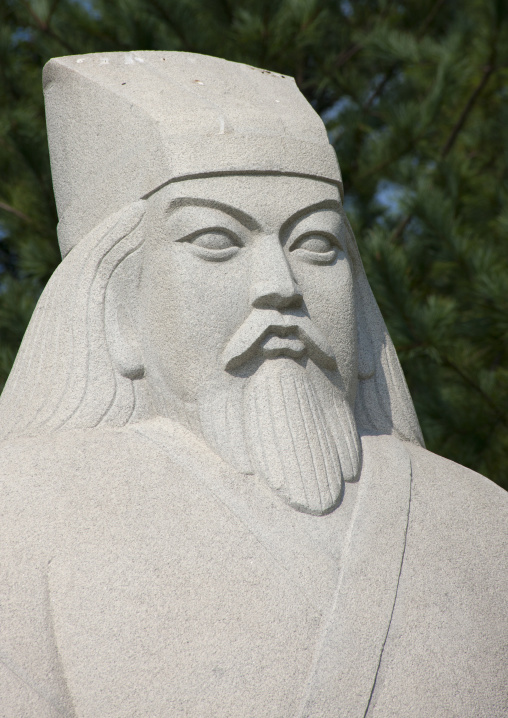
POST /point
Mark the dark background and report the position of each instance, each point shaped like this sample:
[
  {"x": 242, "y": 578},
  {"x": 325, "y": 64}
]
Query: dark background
[{"x": 415, "y": 98}]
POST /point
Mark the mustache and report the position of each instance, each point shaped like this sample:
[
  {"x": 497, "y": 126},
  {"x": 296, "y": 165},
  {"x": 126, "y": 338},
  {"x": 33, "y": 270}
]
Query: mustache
[{"x": 244, "y": 344}]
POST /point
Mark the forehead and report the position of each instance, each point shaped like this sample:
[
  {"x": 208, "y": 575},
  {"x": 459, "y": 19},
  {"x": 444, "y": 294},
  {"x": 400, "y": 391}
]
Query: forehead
[{"x": 268, "y": 199}]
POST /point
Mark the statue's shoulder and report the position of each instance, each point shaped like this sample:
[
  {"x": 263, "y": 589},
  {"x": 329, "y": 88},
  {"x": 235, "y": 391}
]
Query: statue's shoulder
[
  {"x": 56, "y": 465},
  {"x": 39, "y": 470},
  {"x": 27, "y": 463},
  {"x": 29, "y": 459},
  {"x": 454, "y": 483},
  {"x": 461, "y": 513}
]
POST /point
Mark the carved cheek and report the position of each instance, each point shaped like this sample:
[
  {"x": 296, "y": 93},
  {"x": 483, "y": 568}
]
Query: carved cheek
[
  {"x": 191, "y": 308},
  {"x": 328, "y": 294}
]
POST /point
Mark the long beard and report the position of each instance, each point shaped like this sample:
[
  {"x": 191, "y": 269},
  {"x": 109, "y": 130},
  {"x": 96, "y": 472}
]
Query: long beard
[{"x": 290, "y": 425}]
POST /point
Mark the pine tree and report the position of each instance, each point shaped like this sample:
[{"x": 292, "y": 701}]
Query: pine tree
[{"x": 414, "y": 96}]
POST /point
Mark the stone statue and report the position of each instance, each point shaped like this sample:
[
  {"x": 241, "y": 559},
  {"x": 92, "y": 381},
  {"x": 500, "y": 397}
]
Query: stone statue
[{"x": 216, "y": 500}]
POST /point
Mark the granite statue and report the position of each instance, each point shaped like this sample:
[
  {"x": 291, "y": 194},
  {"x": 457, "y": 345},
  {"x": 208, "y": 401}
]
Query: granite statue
[{"x": 216, "y": 501}]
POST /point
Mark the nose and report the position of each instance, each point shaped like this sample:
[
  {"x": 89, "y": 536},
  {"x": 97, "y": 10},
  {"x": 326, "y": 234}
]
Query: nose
[{"x": 272, "y": 284}]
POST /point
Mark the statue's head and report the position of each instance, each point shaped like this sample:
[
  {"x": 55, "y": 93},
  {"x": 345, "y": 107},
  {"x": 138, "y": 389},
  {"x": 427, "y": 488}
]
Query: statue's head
[{"x": 210, "y": 275}]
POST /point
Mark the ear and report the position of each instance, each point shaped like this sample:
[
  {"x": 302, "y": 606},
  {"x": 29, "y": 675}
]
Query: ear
[
  {"x": 383, "y": 403},
  {"x": 123, "y": 342}
]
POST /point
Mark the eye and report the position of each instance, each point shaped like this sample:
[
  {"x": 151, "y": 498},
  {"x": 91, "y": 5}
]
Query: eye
[
  {"x": 214, "y": 245},
  {"x": 214, "y": 241},
  {"x": 315, "y": 247},
  {"x": 314, "y": 243}
]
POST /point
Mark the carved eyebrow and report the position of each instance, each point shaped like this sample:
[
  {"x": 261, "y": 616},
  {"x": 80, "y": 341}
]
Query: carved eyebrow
[
  {"x": 242, "y": 217},
  {"x": 331, "y": 204},
  {"x": 246, "y": 219}
]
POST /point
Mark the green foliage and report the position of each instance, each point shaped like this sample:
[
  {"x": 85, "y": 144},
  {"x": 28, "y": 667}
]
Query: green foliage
[{"x": 415, "y": 98}]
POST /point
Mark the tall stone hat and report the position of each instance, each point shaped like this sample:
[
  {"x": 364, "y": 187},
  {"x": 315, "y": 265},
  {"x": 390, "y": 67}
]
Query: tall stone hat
[{"x": 122, "y": 125}]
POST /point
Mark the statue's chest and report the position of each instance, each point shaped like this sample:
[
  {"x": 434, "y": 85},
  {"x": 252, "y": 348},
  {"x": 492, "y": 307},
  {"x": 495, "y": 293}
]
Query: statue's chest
[{"x": 174, "y": 608}]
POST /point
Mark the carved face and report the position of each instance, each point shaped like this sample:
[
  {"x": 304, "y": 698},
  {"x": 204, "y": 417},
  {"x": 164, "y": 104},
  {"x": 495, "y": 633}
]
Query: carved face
[
  {"x": 219, "y": 248},
  {"x": 246, "y": 314},
  {"x": 216, "y": 249}
]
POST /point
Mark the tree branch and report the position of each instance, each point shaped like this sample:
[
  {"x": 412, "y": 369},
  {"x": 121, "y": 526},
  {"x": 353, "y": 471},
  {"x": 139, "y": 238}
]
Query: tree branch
[
  {"x": 430, "y": 17},
  {"x": 346, "y": 55},
  {"x": 389, "y": 73},
  {"x": 487, "y": 72},
  {"x": 52, "y": 9},
  {"x": 15, "y": 212},
  {"x": 399, "y": 229},
  {"x": 379, "y": 89},
  {"x": 499, "y": 414},
  {"x": 44, "y": 26}
]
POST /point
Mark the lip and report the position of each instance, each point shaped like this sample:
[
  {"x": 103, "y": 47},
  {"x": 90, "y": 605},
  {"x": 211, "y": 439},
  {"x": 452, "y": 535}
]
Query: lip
[{"x": 274, "y": 346}]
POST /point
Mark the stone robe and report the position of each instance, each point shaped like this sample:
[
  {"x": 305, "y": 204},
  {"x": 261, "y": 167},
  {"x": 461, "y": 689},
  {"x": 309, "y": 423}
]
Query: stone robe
[{"x": 143, "y": 577}]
